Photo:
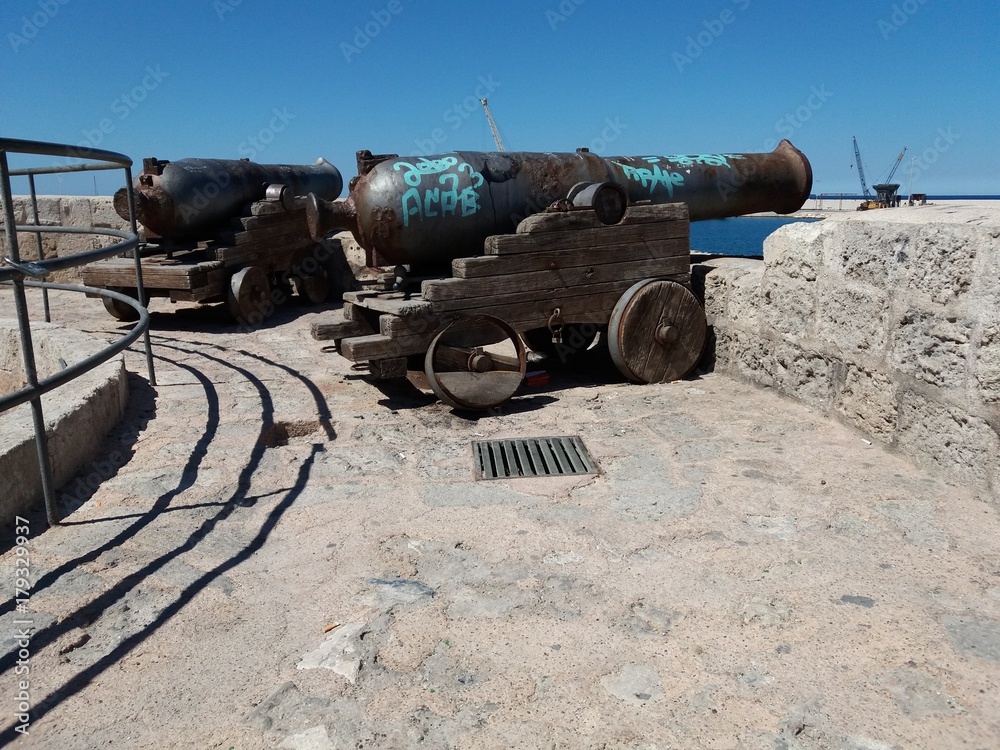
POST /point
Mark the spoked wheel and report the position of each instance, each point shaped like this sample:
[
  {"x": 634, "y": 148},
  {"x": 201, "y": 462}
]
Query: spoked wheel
[
  {"x": 657, "y": 332},
  {"x": 119, "y": 310},
  {"x": 475, "y": 363},
  {"x": 249, "y": 295}
]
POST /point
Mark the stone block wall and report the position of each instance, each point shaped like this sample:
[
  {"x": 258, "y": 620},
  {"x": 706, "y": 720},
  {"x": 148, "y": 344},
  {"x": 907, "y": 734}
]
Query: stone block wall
[
  {"x": 888, "y": 320},
  {"x": 73, "y": 211}
]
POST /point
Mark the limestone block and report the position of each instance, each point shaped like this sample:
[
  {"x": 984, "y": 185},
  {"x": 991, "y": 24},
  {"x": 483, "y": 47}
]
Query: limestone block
[
  {"x": 103, "y": 212},
  {"x": 943, "y": 263},
  {"x": 987, "y": 366},
  {"x": 716, "y": 296},
  {"x": 932, "y": 348},
  {"x": 962, "y": 446},
  {"x": 806, "y": 375},
  {"x": 796, "y": 250},
  {"x": 853, "y": 318},
  {"x": 73, "y": 244},
  {"x": 787, "y": 304},
  {"x": 867, "y": 400},
  {"x": 869, "y": 252},
  {"x": 48, "y": 211},
  {"x": 744, "y": 298},
  {"x": 20, "y": 210},
  {"x": 746, "y": 354},
  {"x": 985, "y": 301},
  {"x": 75, "y": 211},
  {"x": 729, "y": 277}
]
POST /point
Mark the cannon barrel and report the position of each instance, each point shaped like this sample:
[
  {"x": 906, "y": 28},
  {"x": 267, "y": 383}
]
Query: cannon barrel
[
  {"x": 189, "y": 198},
  {"x": 426, "y": 211}
]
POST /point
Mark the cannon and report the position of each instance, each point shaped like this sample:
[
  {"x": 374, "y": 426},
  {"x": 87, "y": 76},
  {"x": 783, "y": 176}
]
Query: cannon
[
  {"x": 426, "y": 211},
  {"x": 225, "y": 230},
  {"x": 190, "y": 198},
  {"x": 559, "y": 251}
]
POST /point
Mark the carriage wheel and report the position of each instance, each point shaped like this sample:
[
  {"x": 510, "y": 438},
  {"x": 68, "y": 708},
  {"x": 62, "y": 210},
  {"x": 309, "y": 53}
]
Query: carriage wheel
[
  {"x": 657, "y": 332},
  {"x": 477, "y": 362},
  {"x": 249, "y": 295},
  {"x": 119, "y": 310}
]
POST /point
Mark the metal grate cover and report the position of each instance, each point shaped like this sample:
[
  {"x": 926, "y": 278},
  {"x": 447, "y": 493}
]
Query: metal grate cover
[{"x": 531, "y": 457}]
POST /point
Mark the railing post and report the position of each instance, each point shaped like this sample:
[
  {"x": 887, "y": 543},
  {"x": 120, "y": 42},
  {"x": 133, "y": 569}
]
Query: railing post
[
  {"x": 139, "y": 288},
  {"x": 27, "y": 348}
]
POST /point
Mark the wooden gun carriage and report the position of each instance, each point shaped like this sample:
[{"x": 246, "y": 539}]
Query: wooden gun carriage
[{"x": 560, "y": 271}]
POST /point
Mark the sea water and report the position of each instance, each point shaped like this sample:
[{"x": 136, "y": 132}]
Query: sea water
[{"x": 741, "y": 235}]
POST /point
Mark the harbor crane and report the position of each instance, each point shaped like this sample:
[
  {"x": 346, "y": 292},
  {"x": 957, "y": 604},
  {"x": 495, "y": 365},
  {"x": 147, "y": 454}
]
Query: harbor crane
[
  {"x": 493, "y": 125},
  {"x": 885, "y": 191}
]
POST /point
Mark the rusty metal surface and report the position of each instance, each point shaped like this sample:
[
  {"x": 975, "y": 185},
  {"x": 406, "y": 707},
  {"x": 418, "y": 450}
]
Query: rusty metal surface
[
  {"x": 189, "y": 198},
  {"x": 428, "y": 210}
]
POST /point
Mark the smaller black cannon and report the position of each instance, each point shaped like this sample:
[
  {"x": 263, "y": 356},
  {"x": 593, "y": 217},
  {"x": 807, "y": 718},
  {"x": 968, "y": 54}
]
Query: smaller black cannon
[
  {"x": 226, "y": 230},
  {"x": 190, "y": 198}
]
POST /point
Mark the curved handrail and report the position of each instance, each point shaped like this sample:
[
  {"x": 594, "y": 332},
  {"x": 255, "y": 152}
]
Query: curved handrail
[
  {"x": 14, "y": 270},
  {"x": 130, "y": 242},
  {"x": 10, "y": 400}
]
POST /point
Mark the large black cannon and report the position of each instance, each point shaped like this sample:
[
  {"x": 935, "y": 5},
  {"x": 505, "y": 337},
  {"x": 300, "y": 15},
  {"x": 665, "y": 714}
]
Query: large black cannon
[
  {"x": 190, "y": 198},
  {"x": 426, "y": 211}
]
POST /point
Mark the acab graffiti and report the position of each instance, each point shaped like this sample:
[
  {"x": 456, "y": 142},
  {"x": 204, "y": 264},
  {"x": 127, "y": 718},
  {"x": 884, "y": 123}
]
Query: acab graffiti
[
  {"x": 454, "y": 193},
  {"x": 656, "y": 175}
]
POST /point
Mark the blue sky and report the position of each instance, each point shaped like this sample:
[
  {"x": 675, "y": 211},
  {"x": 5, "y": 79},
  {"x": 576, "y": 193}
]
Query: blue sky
[{"x": 288, "y": 82}]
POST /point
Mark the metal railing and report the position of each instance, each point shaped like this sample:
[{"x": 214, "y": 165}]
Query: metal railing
[{"x": 14, "y": 271}]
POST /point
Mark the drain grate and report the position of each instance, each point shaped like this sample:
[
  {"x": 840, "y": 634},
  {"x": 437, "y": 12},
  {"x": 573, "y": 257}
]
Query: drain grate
[{"x": 532, "y": 457}]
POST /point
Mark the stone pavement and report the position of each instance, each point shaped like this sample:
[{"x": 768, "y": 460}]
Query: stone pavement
[{"x": 744, "y": 573}]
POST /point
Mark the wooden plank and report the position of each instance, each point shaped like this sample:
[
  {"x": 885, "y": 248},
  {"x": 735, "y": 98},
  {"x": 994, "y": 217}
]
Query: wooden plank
[
  {"x": 395, "y": 304},
  {"x": 376, "y": 346},
  {"x": 491, "y": 265},
  {"x": 547, "y": 281},
  {"x": 263, "y": 208},
  {"x": 585, "y": 239},
  {"x": 332, "y": 325},
  {"x": 251, "y": 223},
  {"x": 651, "y": 213},
  {"x": 261, "y": 251},
  {"x": 556, "y": 221},
  {"x": 412, "y": 325},
  {"x": 275, "y": 232},
  {"x": 589, "y": 304}
]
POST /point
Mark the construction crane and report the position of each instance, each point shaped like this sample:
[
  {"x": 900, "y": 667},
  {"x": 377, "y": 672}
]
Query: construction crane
[
  {"x": 861, "y": 170},
  {"x": 899, "y": 160},
  {"x": 886, "y": 191},
  {"x": 493, "y": 125}
]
